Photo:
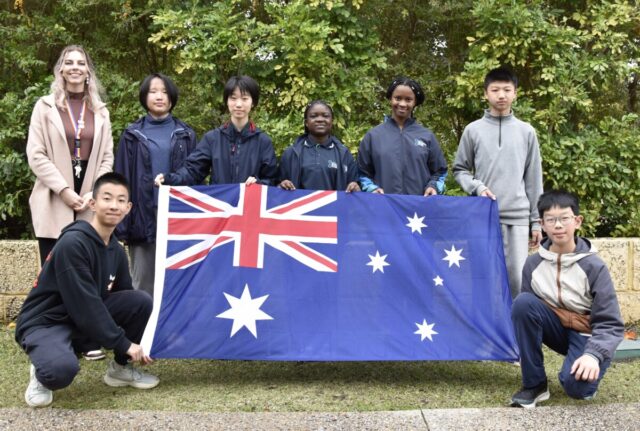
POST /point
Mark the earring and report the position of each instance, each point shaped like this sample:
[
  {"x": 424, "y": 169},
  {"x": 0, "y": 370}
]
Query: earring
[{"x": 87, "y": 80}]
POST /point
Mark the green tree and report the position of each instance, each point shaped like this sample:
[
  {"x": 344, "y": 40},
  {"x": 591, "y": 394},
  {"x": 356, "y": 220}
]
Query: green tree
[
  {"x": 573, "y": 60},
  {"x": 33, "y": 33},
  {"x": 298, "y": 51},
  {"x": 577, "y": 63}
]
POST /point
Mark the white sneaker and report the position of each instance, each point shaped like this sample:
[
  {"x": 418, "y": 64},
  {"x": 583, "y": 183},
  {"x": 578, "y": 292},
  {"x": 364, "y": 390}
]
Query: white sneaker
[
  {"x": 93, "y": 355},
  {"x": 127, "y": 375},
  {"x": 36, "y": 394}
]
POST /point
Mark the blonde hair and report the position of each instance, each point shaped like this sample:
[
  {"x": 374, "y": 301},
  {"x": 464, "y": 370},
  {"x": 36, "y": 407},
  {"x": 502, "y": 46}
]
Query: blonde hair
[{"x": 92, "y": 88}]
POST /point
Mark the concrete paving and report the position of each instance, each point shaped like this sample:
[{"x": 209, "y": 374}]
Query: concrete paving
[{"x": 585, "y": 417}]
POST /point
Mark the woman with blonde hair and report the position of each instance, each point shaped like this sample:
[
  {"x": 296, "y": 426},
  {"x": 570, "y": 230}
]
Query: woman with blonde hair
[{"x": 69, "y": 147}]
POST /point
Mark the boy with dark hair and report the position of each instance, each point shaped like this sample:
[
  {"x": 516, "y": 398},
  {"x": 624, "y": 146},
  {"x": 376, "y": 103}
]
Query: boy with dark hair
[
  {"x": 236, "y": 152},
  {"x": 568, "y": 302},
  {"x": 499, "y": 157},
  {"x": 84, "y": 291}
]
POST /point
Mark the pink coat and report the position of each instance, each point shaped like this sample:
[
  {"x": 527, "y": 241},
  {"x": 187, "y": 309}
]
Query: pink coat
[{"x": 50, "y": 159}]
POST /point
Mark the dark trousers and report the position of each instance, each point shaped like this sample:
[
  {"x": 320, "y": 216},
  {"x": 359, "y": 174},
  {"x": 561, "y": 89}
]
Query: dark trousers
[
  {"x": 52, "y": 350},
  {"x": 535, "y": 323},
  {"x": 45, "y": 245}
]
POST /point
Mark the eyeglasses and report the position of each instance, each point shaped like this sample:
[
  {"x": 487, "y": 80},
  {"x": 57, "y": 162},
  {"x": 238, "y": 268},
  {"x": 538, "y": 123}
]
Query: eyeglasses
[{"x": 564, "y": 220}]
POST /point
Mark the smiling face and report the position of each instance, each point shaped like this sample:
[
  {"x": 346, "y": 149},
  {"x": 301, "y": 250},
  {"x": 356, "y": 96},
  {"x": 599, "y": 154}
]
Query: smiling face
[
  {"x": 74, "y": 71},
  {"x": 319, "y": 121},
  {"x": 158, "y": 103},
  {"x": 110, "y": 205},
  {"x": 560, "y": 225},
  {"x": 239, "y": 105},
  {"x": 402, "y": 103},
  {"x": 500, "y": 95}
]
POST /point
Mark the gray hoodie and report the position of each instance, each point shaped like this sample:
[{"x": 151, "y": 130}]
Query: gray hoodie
[{"x": 502, "y": 154}]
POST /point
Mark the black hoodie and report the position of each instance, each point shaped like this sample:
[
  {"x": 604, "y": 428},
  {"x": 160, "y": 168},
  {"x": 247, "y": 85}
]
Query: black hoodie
[{"x": 77, "y": 276}]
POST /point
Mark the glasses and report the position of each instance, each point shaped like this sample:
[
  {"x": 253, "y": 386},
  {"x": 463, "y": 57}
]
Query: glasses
[{"x": 564, "y": 220}]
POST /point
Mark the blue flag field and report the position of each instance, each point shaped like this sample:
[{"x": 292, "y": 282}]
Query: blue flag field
[{"x": 256, "y": 272}]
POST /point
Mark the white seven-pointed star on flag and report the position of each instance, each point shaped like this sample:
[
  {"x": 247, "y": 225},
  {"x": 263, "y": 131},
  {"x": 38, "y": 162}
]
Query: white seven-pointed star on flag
[
  {"x": 245, "y": 311},
  {"x": 425, "y": 330},
  {"x": 438, "y": 281},
  {"x": 378, "y": 262},
  {"x": 453, "y": 256},
  {"x": 415, "y": 223}
]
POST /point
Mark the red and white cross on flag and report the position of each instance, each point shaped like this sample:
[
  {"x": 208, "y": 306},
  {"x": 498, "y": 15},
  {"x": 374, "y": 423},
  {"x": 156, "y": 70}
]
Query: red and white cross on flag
[{"x": 250, "y": 226}]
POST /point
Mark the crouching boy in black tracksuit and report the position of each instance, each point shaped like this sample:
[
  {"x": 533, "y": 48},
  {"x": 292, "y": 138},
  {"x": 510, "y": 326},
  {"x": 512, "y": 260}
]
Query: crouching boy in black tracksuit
[
  {"x": 568, "y": 303},
  {"x": 84, "y": 291}
]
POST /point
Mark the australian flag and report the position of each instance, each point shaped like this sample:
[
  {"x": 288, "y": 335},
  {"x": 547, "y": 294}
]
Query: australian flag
[{"x": 256, "y": 272}]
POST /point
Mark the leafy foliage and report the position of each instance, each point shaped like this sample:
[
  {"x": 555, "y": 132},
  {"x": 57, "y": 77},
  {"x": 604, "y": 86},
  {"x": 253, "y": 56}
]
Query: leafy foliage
[
  {"x": 573, "y": 61},
  {"x": 297, "y": 51},
  {"x": 577, "y": 63}
]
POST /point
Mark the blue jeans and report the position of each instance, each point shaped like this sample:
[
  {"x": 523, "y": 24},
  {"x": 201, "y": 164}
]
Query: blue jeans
[{"x": 535, "y": 323}]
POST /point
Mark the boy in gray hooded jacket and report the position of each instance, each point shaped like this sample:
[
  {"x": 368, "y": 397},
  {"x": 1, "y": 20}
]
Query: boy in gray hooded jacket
[
  {"x": 568, "y": 302},
  {"x": 499, "y": 158}
]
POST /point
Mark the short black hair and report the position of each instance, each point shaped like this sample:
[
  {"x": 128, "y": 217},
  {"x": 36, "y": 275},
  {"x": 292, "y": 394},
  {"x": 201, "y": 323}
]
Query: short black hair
[
  {"x": 111, "y": 178},
  {"x": 558, "y": 198},
  {"x": 311, "y": 105},
  {"x": 246, "y": 84},
  {"x": 172, "y": 90},
  {"x": 412, "y": 84},
  {"x": 500, "y": 74}
]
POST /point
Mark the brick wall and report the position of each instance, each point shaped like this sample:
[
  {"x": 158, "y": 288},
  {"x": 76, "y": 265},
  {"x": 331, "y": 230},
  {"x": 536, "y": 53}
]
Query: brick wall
[{"x": 19, "y": 267}]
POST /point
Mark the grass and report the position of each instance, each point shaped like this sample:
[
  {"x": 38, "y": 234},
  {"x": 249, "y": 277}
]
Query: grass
[{"x": 247, "y": 386}]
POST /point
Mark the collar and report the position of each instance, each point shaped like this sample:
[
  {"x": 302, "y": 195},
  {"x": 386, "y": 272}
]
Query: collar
[
  {"x": 327, "y": 145},
  {"x": 497, "y": 119}
]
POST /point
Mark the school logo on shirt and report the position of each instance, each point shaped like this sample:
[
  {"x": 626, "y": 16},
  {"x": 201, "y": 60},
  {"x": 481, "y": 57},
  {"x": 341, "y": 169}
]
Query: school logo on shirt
[
  {"x": 332, "y": 164},
  {"x": 419, "y": 143}
]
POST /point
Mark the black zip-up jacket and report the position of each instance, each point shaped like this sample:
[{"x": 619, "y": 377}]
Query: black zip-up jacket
[
  {"x": 231, "y": 157},
  {"x": 291, "y": 160},
  {"x": 75, "y": 279},
  {"x": 134, "y": 162}
]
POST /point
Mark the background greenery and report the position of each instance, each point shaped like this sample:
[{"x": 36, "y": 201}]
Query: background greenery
[{"x": 578, "y": 63}]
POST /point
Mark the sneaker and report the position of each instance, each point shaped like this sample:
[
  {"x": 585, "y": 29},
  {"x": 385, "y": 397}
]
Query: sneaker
[
  {"x": 127, "y": 375},
  {"x": 93, "y": 355},
  {"x": 528, "y": 398},
  {"x": 36, "y": 394}
]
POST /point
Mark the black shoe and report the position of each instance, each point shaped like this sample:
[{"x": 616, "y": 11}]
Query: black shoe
[{"x": 528, "y": 398}]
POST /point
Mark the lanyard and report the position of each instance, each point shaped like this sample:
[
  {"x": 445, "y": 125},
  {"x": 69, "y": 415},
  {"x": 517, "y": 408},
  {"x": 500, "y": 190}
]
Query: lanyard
[{"x": 77, "y": 127}]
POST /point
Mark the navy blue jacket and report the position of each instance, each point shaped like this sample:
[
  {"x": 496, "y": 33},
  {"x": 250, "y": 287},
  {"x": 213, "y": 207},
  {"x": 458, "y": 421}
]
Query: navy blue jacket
[
  {"x": 290, "y": 164},
  {"x": 134, "y": 162},
  {"x": 402, "y": 161},
  {"x": 230, "y": 156}
]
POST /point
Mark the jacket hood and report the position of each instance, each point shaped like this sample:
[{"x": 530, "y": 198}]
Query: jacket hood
[
  {"x": 86, "y": 228},
  {"x": 583, "y": 249}
]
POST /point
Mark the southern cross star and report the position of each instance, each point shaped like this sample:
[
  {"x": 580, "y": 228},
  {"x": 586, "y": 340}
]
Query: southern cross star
[
  {"x": 453, "y": 256},
  {"x": 245, "y": 311},
  {"x": 378, "y": 262},
  {"x": 415, "y": 223},
  {"x": 438, "y": 281}
]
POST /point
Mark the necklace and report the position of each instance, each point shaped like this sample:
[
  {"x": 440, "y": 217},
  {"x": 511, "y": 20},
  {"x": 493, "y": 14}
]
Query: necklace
[{"x": 78, "y": 126}]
